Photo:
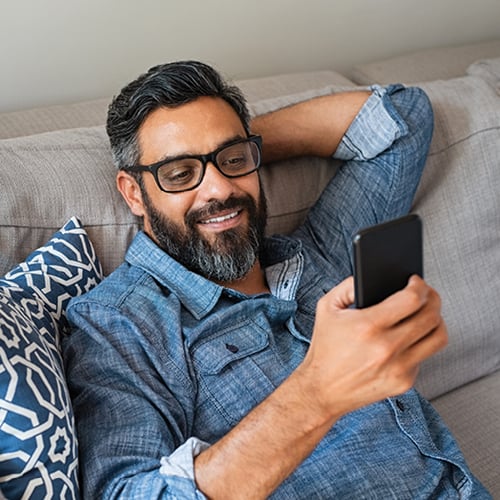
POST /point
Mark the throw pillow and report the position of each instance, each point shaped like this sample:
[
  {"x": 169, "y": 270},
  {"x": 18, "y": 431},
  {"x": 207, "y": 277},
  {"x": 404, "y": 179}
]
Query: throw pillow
[{"x": 38, "y": 445}]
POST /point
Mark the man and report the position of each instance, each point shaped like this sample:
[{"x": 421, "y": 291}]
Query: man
[{"x": 218, "y": 363}]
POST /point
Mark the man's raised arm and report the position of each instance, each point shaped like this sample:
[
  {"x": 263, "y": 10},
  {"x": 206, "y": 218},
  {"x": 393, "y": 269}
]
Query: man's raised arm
[{"x": 310, "y": 128}]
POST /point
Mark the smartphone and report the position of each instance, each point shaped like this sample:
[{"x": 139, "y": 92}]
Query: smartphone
[{"x": 385, "y": 256}]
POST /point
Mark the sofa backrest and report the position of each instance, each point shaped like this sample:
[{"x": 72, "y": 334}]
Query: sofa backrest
[{"x": 47, "y": 178}]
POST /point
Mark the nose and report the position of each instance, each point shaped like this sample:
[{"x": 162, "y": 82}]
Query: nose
[{"x": 215, "y": 185}]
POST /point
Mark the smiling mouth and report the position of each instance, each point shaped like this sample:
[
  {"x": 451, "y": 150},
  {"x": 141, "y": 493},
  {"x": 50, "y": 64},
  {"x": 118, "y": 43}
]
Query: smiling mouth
[{"x": 222, "y": 218}]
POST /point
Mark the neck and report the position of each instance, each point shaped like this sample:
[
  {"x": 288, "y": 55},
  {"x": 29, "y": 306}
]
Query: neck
[{"x": 254, "y": 282}]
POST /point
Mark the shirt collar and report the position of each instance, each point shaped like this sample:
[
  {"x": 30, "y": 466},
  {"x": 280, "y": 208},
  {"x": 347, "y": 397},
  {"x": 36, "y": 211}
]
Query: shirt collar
[{"x": 196, "y": 293}]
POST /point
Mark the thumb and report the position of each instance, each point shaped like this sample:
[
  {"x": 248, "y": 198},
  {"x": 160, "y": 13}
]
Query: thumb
[{"x": 342, "y": 296}]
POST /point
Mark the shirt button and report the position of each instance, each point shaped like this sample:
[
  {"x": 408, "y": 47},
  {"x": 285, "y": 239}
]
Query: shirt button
[
  {"x": 232, "y": 348},
  {"x": 400, "y": 405}
]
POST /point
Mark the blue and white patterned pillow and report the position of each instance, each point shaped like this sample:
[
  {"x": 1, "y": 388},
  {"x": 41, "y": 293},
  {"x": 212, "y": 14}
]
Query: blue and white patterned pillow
[{"x": 38, "y": 445}]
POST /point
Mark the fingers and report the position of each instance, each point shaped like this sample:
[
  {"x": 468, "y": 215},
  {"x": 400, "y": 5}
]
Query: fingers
[
  {"x": 420, "y": 331},
  {"x": 342, "y": 296},
  {"x": 404, "y": 303},
  {"x": 392, "y": 310},
  {"x": 358, "y": 356},
  {"x": 427, "y": 345},
  {"x": 407, "y": 325},
  {"x": 407, "y": 316}
]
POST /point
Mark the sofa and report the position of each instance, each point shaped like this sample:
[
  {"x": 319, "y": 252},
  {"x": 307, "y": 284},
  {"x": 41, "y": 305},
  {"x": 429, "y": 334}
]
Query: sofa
[{"x": 64, "y": 227}]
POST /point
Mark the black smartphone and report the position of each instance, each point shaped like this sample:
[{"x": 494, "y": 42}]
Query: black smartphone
[{"x": 385, "y": 256}]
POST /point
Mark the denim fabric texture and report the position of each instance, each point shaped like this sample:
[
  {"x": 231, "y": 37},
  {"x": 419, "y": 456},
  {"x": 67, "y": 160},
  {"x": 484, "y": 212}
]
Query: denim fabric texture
[{"x": 163, "y": 362}]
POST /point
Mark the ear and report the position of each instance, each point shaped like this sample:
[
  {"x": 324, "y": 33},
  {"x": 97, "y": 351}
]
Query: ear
[{"x": 131, "y": 192}]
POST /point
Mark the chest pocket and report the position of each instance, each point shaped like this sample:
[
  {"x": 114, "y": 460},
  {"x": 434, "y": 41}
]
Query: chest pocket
[
  {"x": 236, "y": 342},
  {"x": 236, "y": 368}
]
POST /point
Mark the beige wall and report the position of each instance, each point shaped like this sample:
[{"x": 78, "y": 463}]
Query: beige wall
[{"x": 66, "y": 50}]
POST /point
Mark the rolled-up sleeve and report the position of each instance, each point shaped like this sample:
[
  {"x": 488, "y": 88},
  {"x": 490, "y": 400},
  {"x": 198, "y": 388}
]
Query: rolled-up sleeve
[
  {"x": 180, "y": 464},
  {"x": 175, "y": 478},
  {"x": 374, "y": 129},
  {"x": 384, "y": 151}
]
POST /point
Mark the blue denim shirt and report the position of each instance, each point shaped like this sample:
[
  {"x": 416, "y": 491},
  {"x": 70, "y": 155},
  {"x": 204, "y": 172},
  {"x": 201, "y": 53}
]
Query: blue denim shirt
[{"x": 163, "y": 362}]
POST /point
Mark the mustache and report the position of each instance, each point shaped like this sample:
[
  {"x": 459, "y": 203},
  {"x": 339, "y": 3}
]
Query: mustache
[{"x": 216, "y": 206}]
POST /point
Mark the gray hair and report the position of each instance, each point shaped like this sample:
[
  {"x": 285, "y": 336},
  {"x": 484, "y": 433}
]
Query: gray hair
[{"x": 166, "y": 85}]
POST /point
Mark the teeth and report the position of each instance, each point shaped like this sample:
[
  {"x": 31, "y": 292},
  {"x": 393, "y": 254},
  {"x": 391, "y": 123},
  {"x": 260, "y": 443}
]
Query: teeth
[{"x": 220, "y": 219}]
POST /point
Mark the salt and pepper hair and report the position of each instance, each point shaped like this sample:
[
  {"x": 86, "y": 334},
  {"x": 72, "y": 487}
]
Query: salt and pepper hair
[{"x": 167, "y": 85}]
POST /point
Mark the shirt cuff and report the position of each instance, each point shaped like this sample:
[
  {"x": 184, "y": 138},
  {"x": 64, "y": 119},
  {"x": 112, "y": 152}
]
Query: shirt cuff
[
  {"x": 181, "y": 462},
  {"x": 375, "y": 127}
]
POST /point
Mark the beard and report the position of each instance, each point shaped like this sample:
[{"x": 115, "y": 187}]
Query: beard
[{"x": 230, "y": 255}]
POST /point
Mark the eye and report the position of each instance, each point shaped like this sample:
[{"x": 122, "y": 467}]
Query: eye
[
  {"x": 234, "y": 162},
  {"x": 235, "y": 158},
  {"x": 178, "y": 173}
]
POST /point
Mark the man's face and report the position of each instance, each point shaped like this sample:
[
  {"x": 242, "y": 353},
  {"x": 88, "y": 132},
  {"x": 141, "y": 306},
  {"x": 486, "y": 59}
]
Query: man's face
[{"x": 215, "y": 229}]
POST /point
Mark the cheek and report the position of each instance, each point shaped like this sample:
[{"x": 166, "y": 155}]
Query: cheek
[
  {"x": 172, "y": 206},
  {"x": 251, "y": 185}
]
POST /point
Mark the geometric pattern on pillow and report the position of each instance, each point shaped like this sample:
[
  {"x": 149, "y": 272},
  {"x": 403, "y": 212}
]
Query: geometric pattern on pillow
[{"x": 38, "y": 445}]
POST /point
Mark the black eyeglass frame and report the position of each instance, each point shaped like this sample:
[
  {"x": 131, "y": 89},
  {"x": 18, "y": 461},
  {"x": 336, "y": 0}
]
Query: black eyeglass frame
[{"x": 204, "y": 159}]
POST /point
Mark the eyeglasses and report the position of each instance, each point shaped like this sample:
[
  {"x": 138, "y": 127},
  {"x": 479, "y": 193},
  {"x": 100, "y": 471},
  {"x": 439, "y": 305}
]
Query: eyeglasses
[{"x": 183, "y": 173}]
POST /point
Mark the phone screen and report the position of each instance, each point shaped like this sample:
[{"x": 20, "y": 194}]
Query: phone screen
[{"x": 385, "y": 256}]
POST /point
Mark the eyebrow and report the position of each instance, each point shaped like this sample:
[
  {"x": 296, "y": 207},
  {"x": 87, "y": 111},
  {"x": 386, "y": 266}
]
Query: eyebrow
[{"x": 227, "y": 142}]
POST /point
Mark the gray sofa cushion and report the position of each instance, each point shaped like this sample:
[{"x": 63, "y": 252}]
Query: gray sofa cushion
[
  {"x": 424, "y": 65},
  {"x": 472, "y": 413},
  {"x": 48, "y": 178},
  {"x": 459, "y": 201},
  {"x": 488, "y": 70},
  {"x": 269, "y": 87},
  {"x": 57, "y": 117},
  {"x": 91, "y": 113}
]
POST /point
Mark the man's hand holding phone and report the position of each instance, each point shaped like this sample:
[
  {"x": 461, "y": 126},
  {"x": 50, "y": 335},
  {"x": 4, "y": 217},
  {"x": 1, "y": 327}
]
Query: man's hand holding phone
[
  {"x": 365, "y": 354},
  {"x": 360, "y": 356}
]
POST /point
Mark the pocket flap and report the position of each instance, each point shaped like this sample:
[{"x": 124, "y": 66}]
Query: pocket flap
[{"x": 240, "y": 340}]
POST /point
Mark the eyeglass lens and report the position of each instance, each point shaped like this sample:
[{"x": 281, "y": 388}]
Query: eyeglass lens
[{"x": 235, "y": 160}]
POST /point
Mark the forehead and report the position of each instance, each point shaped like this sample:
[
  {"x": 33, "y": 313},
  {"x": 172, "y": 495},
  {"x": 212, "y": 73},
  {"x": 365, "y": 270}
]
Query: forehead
[{"x": 197, "y": 127}]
